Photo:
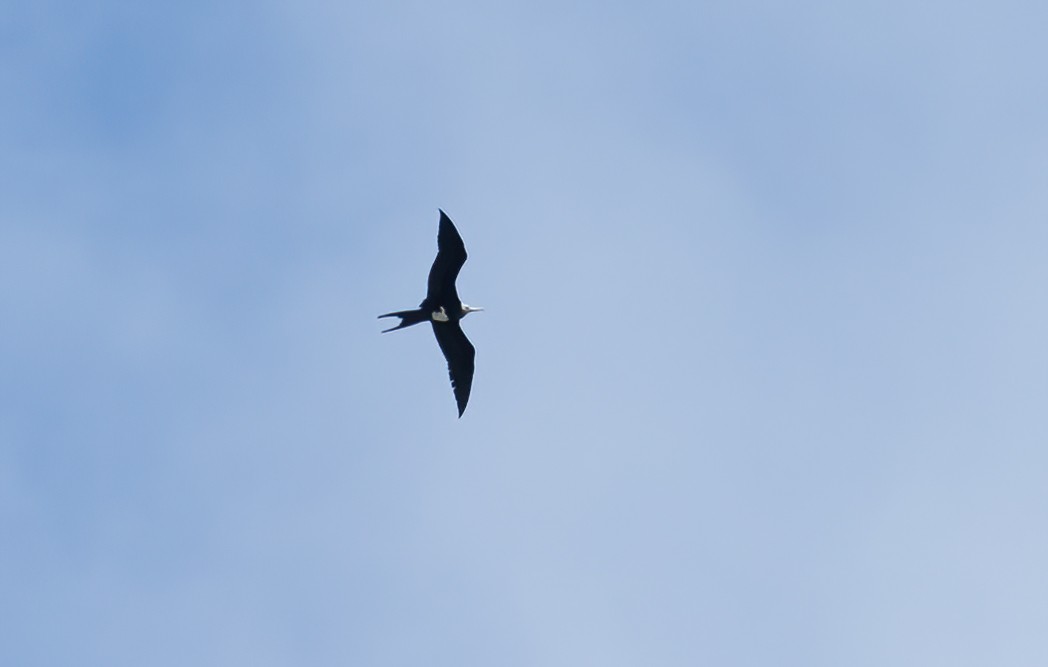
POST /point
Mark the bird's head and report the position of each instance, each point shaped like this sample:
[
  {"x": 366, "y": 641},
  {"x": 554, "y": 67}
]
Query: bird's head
[{"x": 466, "y": 310}]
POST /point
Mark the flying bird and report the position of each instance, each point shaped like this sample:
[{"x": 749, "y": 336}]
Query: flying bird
[{"x": 443, "y": 310}]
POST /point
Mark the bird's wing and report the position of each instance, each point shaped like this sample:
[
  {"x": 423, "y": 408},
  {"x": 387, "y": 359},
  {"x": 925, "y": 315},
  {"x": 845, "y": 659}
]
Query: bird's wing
[
  {"x": 451, "y": 255},
  {"x": 460, "y": 353}
]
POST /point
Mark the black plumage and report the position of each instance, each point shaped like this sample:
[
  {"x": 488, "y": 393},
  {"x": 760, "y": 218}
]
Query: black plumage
[{"x": 443, "y": 309}]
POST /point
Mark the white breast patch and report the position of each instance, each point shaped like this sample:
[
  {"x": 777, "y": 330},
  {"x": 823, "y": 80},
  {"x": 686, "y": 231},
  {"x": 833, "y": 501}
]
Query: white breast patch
[{"x": 440, "y": 315}]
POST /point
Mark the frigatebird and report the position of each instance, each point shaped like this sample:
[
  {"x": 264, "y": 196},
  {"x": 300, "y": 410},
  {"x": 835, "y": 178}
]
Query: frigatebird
[{"x": 442, "y": 308}]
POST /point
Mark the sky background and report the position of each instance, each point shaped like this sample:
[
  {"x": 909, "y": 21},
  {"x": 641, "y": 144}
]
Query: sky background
[{"x": 762, "y": 378}]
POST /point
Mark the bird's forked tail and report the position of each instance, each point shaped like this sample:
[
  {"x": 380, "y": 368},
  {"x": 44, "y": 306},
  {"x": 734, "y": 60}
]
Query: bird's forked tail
[{"x": 407, "y": 318}]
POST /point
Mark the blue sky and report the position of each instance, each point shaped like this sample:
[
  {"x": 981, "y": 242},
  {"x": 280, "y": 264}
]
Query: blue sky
[{"x": 761, "y": 378}]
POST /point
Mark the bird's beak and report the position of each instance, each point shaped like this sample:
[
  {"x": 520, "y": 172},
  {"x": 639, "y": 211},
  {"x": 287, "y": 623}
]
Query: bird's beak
[{"x": 474, "y": 309}]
